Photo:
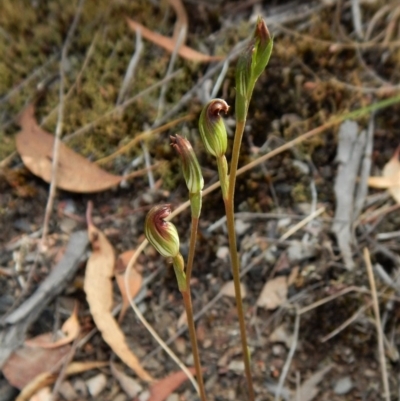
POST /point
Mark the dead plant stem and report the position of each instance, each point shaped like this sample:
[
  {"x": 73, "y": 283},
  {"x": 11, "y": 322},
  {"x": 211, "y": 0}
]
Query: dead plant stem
[{"x": 187, "y": 300}]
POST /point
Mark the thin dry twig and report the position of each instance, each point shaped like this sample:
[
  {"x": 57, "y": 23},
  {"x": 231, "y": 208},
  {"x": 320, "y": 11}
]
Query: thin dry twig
[
  {"x": 346, "y": 323},
  {"x": 338, "y": 46},
  {"x": 131, "y": 67},
  {"x": 301, "y": 224},
  {"x": 63, "y": 371},
  {"x": 330, "y": 298},
  {"x": 143, "y": 136},
  {"x": 59, "y": 127},
  {"x": 375, "y": 304},
  {"x": 289, "y": 358}
]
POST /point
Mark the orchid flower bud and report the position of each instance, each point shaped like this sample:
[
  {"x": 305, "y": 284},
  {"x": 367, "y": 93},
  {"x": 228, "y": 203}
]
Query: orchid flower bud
[
  {"x": 162, "y": 234},
  {"x": 262, "y": 48},
  {"x": 190, "y": 166},
  {"x": 250, "y": 66},
  {"x": 212, "y": 128}
]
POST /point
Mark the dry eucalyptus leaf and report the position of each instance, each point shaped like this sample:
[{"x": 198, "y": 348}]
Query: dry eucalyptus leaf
[
  {"x": 228, "y": 289},
  {"x": 274, "y": 293},
  {"x": 43, "y": 394},
  {"x": 74, "y": 172},
  {"x": 26, "y": 362},
  {"x": 160, "y": 390},
  {"x": 70, "y": 328},
  {"x": 99, "y": 294},
  {"x": 135, "y": 280},
  {"x": 390, "y": 179},
  {"x": 48, "y": 378},
  {"x": 169, "y": 44}
]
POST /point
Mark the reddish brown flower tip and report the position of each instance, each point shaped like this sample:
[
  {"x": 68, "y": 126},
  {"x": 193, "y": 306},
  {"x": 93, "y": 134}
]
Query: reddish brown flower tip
[
  {"x": 212, "y": 128},
  {"x": 160, "y": 233},
  {"x": 216, "y": 107},
  {"x": 190, "y": 166}
]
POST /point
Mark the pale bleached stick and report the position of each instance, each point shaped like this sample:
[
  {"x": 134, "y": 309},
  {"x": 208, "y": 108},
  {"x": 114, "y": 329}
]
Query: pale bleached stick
[{"x": 375, "y": 304}]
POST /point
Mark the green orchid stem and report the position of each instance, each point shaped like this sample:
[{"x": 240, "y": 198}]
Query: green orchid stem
[
  {"x": 184, "y": 288},
  {"x": 187, "y": 300},
  {"x": 223, "y": 175},
  {"x": 192, "y": 246},
  {"x": 230, "y": 220}
]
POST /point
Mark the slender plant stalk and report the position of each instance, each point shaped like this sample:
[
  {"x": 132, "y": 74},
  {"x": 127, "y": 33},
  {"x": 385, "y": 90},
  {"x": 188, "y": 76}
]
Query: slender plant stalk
[
  {"x": 187, "y": 300},
  {"x": 192, "y": 246},
  {"x": 223, "y": 172},
  {"x": 230, "y": 220},
  {"x": 235, "y": 159}
]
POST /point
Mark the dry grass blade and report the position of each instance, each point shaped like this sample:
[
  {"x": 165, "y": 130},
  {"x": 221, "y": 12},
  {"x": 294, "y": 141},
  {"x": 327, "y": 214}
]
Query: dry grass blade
[
  {"x": 99, "y": 293},
  {"x": 143, "y": 136},
  {"x": 378, "y": 323}
]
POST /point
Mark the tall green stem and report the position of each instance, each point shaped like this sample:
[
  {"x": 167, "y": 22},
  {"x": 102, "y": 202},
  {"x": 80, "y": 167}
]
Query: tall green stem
[
  {"x": 187, "y": 300},
  {"x": 184, "y": 288},
  {"x": 223, "y": 175},
  {"x": 192, "y": 246},
  {"x": 230, "y": 220}
]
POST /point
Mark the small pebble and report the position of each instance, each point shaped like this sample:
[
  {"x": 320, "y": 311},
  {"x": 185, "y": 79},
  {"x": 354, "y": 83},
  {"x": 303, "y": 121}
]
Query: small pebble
[
  {"x": 241, "y": 227},
  {"x": 120, "y": 397},
  {"x": 173, "y": 397},
  {"x": 343, "y": 386},
  {"x": 67, "y": 391},
  {"x": 80, "y": 387},
  {"x": 223, "y": 252},
  {"x": 237, "y": 366},
  {"x": 96, "y": 384}
]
